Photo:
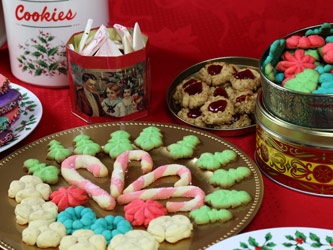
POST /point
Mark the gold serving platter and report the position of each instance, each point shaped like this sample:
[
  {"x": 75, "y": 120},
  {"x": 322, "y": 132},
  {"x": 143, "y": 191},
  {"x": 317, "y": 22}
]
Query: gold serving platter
[{"x": 11, "y": 168}]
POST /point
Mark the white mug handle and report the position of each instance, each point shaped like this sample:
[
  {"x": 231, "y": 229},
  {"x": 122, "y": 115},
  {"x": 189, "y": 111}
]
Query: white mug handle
[{"x": 3, "y": 36}]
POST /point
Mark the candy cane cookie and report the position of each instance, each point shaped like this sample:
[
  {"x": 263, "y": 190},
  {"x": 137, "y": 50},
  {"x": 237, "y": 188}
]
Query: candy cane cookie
[
  {"x": 97, "y": 168},
  {"x": 194, "y": 192},
  {"x": 120, "y": 166},
  {"x": 166, "y": 170}
]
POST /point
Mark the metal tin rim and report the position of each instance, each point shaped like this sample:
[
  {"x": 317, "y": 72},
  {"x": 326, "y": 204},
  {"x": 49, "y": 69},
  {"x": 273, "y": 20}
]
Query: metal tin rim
[
  {"x": 238, "y": 60},
  {"x": 312, "y": 110},
  {"x": 298, "y": 134}
]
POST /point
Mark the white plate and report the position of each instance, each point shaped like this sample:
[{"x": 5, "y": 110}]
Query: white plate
[
  {"x": 31, "y": 114},
  {"x": 279, "y": 238}
]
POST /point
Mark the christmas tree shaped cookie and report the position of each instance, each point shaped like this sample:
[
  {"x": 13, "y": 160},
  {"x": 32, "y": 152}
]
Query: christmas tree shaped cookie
[
  {"x": 118, "y": 143},
  {"x": 57, "y": 151},
  {"x": 149, "y": 138},
  {"x": 83, "y": 144}
]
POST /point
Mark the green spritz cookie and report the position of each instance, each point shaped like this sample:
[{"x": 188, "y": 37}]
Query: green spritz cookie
[
  {"x": 211, "y": 162},
  {"x": 118, "y": 144},
  {"x": 208, "y": 161},
  {"x": 83, "y": 144},
  {"x": 226, "y": 156},
  {"x": 227, "y": 178},
  {"x": 57, "y": 152},
  {"x": 227, "y": 198},
  {"x": 184, "y": 148},
  {"x": 149, "y": 138},
  {"x": 205, "y": 215},
  {"x": 48, "y": 173}
]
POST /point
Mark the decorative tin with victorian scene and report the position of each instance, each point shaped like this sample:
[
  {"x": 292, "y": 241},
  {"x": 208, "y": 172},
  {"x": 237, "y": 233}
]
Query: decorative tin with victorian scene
[{"x": 109, "y": 88}]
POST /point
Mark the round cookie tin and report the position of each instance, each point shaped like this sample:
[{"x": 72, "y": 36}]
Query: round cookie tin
[
  {"x": 309, "y": 110},
  {"x": 296, "y": 157},
  {"x": 242, "y": 62}
]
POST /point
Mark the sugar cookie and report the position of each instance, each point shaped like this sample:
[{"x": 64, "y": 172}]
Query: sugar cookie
[
  {"x": 28, "y": 186},
  {"x": 170, "y": 228},
  {"x": 83, "y": 239},
  {"x": 35, "y": 208},
  {"x": 135, "y": 239},
  {"x": 43, "y": 233}
]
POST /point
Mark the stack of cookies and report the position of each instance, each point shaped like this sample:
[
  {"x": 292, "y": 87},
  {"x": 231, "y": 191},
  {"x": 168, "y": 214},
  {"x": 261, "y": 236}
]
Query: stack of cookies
[{"x": 9, "y": 109}]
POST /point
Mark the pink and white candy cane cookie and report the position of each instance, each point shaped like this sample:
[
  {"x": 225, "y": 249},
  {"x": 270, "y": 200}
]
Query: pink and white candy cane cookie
[
  {"x": 166, "y": 170},
  {"x": 120, "y": 165},
  {"x": 97, "y": 168},
  {"x": 194, "y": 192}
]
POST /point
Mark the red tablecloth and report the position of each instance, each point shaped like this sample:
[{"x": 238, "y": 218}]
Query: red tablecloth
[{"x": 182, "y": 33}]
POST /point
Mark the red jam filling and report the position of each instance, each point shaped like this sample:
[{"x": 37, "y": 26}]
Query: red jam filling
[
  {"x": 220, "y": 92},
  {"x": 194, "y": 88},
  {"x": 194, "y": 113},
  {"x": 245, "y": 74},
  {"x": 236, "y": 117},
  {"x": 214, "y": 69},
  {"x": 189, "y": 82},
  {"x": 217, "y": 106},
  {"x": 242, "y": 98}
]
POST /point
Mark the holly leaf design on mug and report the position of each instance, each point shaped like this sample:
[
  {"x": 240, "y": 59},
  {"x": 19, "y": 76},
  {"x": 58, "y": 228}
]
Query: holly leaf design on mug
[{"x": 41, "y": 58}]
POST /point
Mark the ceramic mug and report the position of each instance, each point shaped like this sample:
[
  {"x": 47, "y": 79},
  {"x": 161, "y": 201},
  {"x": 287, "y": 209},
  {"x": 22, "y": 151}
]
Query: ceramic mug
[{"x": 37, "y": 32}]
